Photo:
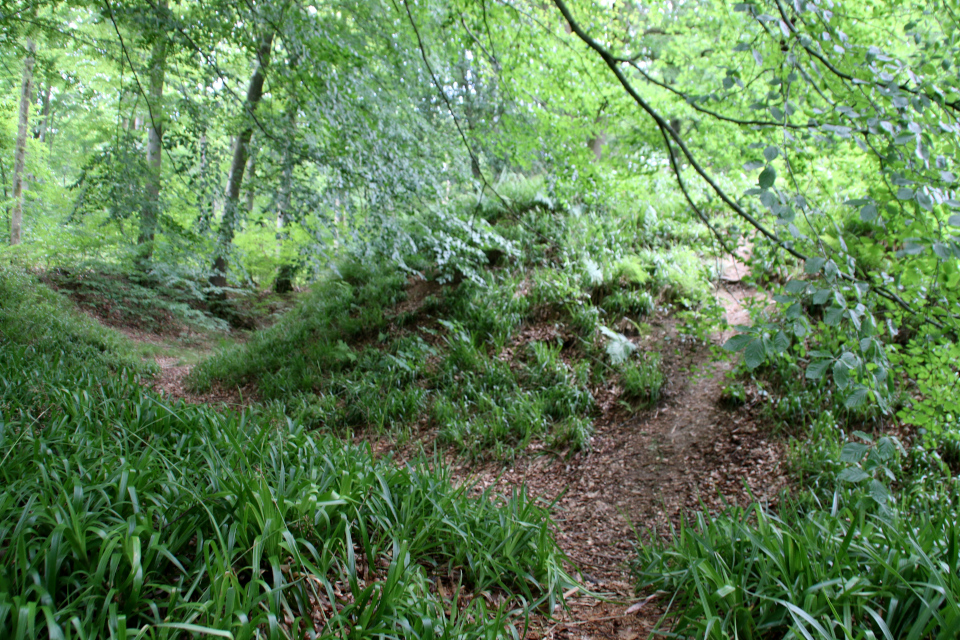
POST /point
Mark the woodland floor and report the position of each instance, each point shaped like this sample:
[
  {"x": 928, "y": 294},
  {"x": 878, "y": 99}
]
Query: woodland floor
[{"x": 643, "y": 473}]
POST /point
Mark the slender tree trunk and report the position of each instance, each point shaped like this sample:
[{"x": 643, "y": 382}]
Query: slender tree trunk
[
  {"x": 285, "y": 275},
  {"x": 3, "y": 181},
  {"x": 228, "y": 224},
  {"x": 40, "y": 133},
  {"x": 151, "y": 208},
  {"x": 251, "y": 172},
  {"x": 16, "y": 218}
]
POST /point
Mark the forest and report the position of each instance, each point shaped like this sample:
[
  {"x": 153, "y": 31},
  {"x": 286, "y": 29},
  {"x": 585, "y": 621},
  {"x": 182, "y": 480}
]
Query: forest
[{"x": 480, "y": 318}]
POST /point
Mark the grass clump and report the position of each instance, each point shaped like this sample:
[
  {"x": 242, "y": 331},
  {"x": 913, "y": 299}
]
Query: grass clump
[
  {"x": 124, "y": 514},
  {"x": 642, "y": 380},
  {"x": 38, "y": 325},
  {"x": 750, "y": 573},
  {"x": 293, "y": 356},
  {"x": 865, "y": 546}
]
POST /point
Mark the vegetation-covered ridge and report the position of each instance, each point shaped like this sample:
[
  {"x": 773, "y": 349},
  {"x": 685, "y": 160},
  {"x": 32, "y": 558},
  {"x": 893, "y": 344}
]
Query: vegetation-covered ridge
[
  {"x": 518, "y": 352},
  {"x": 125, "y": 514}
]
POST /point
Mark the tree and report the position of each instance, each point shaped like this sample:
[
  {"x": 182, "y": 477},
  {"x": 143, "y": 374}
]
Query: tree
[
  {"x": 155, "y": 124},
  {"x": 26, "y": 95},
  {"x": 231, "y": 208},
  {"x": 807, "y": 85}
]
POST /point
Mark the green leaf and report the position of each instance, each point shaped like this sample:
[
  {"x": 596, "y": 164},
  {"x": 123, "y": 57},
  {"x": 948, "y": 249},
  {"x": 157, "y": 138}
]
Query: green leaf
[
  {"x": 619, "y": 347},
  {"x": 815, "y": 370},
  {"x": 853, "y": 452},
  {"x": 725, "y": 590},
  {"x": 738, "y": 342},
  {"x": 850, "y": 359},
  {"x": 796, "y": 286},
  {"x": 771, "y": 153},
  {"x": 781, "y": 342},
  {"x": 767, "y": 177},
  {"x": 832, "y": 316},
  {"x": 753, "y": 165},
  {"x": 856, "y": 399},
  {"x": 194, "y": 628},
  {"x": 879, "y": 492},
  {"x": 813, "y": 265},
  {"x": 954, "y": 220},
  {"x": 869, "y": 213},
  {"x": 904, "y": 194},
  {"x": 841, "y": 375},
  {"x": 853, "y": 475},
  {"x": 755, "y": 354}
]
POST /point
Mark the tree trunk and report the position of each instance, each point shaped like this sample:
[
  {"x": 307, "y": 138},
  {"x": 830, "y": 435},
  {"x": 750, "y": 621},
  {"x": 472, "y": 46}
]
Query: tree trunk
[
  {"x": 16, "y": 218},
  {"x": 287, "y": 271},
  {"x": 231, "y": 203},
  {"x": 151, "y": 208},
  {"x": 251, "y": 170},
  {"x": 41, "y": 132}
]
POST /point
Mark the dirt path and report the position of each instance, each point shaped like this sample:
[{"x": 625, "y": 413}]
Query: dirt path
[
  {"x": 643, "y": 473},
  {"x": 172, "y": 382}
]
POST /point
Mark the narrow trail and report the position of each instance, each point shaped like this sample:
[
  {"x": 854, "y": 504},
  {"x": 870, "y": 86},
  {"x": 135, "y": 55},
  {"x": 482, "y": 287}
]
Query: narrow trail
[
  {"x": 171, "y": 381},
  {"x": 643, "y": 473}
]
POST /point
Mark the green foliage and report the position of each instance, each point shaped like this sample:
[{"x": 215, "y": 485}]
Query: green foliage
[
  {"x": 38, "y": 323},
  {"x": 358, "y": 353},
  {"x": 150, "y": 301},
  {"x": 642, "y": 379},
  {"x": 750, "y": 573},
  {"x": 935, "y": 407},
  {"x": 733, "y": 395},
  {"x": 123, "y": 513},
  {"x": 847, "y": 375}
]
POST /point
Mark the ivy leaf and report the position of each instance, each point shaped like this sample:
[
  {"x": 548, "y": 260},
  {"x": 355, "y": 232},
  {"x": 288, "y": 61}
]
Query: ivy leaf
[
  {"x": 767, "y": 177},
  {"x": 755, "y": 354}
]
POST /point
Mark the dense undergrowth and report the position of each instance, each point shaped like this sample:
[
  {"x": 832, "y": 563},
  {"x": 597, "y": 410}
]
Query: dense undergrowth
[
  {"x": 866, "y": 543},
  {"x": 127, "y": 515},
  {"x": 510, "y": 352}
]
